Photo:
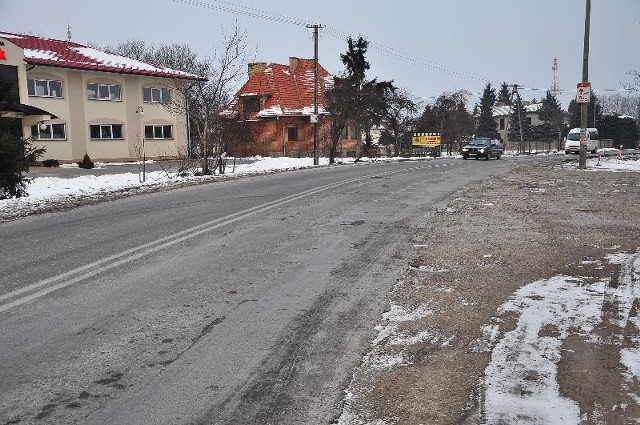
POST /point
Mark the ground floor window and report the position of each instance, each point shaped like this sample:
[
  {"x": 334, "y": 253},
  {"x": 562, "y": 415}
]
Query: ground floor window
[
  {"x": 158, "y": 132},
  {"x": 292, "y": 134},
  {"x": 106, "y": 131},
  {"x": 48, "y": 132}
]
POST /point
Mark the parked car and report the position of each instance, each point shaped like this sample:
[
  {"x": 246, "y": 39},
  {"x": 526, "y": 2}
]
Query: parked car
[
  {"x": 572, "y": 141},
  {"x": 482, "y": 147}
]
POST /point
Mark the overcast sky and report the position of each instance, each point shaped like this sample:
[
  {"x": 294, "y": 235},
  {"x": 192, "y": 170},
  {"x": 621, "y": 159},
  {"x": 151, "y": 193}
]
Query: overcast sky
[{"x": 426, "y": 46}]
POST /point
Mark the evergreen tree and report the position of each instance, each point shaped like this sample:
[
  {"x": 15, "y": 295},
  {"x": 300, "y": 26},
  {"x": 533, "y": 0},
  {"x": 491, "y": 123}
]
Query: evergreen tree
[
  {"x": 550, "y": 113},
  {"x": 592, "y": 108},
  {"x": 487, "y": 126},
  {"x": 504, "y": 95},
  {"x": 354, "y": 99},
  {"x": 621, "y": 130},
  {"x": 16, "y": 155}
]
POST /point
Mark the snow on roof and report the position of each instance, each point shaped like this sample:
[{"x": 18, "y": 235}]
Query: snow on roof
[
  {"x": 287, "y": 89},
  {"x": 503, "y": 110},
  {"x": 68, "y": 54}
]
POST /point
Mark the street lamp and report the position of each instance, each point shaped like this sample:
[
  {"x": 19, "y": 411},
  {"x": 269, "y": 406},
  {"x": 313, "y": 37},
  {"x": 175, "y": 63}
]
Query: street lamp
[{"x": 140, "y": 110}]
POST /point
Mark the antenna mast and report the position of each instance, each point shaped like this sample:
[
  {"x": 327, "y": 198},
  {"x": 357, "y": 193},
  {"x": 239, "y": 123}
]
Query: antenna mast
[{"x": 555, "y": 87}]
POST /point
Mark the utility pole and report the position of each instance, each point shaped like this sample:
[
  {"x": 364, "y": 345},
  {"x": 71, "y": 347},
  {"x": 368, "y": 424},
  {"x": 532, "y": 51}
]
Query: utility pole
[
  {"x": 585, "y": 79},
  {"x": 315, "y": 27},
  {"x": 516, "y": 95}
]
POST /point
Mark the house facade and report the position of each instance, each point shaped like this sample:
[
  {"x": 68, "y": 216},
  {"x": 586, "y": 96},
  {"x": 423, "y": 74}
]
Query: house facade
[
  {"x": 501, "y": 114},
  {"x": 277, "y": 104},
  {"x": 107, "y": 106}
]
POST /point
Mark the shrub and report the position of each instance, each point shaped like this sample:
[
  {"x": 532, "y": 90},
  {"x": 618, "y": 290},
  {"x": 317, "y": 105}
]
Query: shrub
[
  {"x": 51, "y": 162},
  {"x": 16, "y": 155},
  {"x": 86, "y": 162}
]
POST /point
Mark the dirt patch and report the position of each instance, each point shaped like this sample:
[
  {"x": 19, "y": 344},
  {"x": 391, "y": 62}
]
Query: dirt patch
[{"x": 490, "y": 240}]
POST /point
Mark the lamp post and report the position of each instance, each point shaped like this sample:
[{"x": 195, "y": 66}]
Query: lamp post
[{"x": 140, "y": 111}]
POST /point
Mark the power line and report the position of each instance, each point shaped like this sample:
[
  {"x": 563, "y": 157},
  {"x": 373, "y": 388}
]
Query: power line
[
  {"x": 396, "y": 54},
  {"x": 391, "y": 52},
  {"x": 237, "y": 9}
]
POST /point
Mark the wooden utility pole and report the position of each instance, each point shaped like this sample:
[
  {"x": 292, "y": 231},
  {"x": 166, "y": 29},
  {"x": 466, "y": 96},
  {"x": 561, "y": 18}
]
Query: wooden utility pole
[
  {"x": 585, "y": 79},
  {"x": 316, "y": 27}
]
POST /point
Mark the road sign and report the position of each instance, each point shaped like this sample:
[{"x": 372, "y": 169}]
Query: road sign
[{"x": 584, "y": 93}]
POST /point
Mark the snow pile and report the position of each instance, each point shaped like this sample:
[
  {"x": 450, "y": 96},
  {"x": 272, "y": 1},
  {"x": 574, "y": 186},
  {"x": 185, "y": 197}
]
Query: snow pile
[{"x": 44, "y": 192}]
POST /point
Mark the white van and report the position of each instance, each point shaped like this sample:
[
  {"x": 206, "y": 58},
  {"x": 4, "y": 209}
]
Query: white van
[{"x": 572, "y": 142}]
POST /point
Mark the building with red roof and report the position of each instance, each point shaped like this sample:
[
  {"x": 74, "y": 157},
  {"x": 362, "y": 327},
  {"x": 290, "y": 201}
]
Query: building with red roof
[
  {"x": 97, "y": 103},
  {"x": 277, "y": 104}
]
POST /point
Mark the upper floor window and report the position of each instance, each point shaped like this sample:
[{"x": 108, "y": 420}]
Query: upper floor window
[
  {"x": 292, "y": 134},
  {"x": 44, "y": 88},
  {"x": 103, "y": 91},
  {"x": 106, "y": 131},
  {"x": 10, "y": 91},
  {"x": 49, "y": 132},
  {"x": 250, "y": 104},
  {"x": 153, "y": 94},
  {"x": 158, "y": 132}
]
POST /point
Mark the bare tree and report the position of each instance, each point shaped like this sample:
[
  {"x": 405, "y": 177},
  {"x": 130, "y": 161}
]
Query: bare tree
[
  {"x": 210, "y": 97},
  {"x": 635, "y": 85},
  {"x": 201, "y": 99},
  {"x": 620, "y": 105},
  {"x": 449, "y": 116},
  {"x": 401, "y": 108}
]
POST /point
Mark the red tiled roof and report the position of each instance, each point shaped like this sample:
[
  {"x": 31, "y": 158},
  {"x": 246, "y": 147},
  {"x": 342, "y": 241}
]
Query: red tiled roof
[
  {"x": 288, "y": 92},
  {"x": 68, "y": 54}
]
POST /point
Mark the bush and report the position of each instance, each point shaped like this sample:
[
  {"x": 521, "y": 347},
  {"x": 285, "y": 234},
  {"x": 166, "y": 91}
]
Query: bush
[
  {"x": 51, "y": 163},
  {"x": 86, "y": 162},
  {"x": 16, "y": 155}
]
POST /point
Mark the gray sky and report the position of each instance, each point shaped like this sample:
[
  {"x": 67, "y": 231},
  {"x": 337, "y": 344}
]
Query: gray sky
[{"x": 426, "y": 46}]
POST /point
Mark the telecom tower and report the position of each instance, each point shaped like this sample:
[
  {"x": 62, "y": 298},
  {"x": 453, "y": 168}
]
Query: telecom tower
[{"x": 555, "y": 88}]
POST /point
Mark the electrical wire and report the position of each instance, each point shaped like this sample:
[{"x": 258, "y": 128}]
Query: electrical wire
[{"x": 393, "y": 53}]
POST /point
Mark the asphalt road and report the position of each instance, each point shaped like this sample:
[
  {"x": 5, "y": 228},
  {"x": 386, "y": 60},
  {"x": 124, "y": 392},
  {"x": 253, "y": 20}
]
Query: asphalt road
[{"x": 248, "y": 301}]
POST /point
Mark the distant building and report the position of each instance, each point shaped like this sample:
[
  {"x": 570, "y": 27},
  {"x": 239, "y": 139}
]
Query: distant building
[
  {"x": 99, "y": 103},
  {"x": 277, "y": 104},
  {"x": 502, "y": 112}
]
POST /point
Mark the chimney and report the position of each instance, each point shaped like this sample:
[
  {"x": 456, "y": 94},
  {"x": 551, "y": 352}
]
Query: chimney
[
  {"x": 293, "y": 64},
  {"x": 256, "y": 68}
]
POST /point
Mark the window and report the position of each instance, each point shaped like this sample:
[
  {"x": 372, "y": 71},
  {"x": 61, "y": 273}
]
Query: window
[
  {"x": 44, "y": 88},
  {"x": 152, "y": 94},
  {"x": 103, "y": 91},
  {"x": 158, "y": 132},
  {"x": 106, "y": 131},
  {"x": 502, "y": 123},
  {"x": 9, "y": 79},
  {"x": 250, "y": 105},
  {"x": 293, "y": 134},
  {"x": 48, "y": 132}
]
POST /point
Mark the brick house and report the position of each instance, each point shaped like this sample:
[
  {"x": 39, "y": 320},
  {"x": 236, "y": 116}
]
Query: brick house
[{"x": 277, "y": 105}]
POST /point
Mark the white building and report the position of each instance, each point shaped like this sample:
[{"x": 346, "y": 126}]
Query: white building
[{"x": 104, "y": 105}]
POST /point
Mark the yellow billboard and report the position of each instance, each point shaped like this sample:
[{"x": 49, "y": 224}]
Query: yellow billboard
[{"x": 426, "y": 140}]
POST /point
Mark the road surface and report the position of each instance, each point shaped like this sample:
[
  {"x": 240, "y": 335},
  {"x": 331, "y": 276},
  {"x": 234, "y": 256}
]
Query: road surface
[{"x": 248, "y": 301}]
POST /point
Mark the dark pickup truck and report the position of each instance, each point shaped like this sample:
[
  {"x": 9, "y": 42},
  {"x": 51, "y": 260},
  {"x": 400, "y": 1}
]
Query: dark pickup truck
[{"x": 482, "y": 147}]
